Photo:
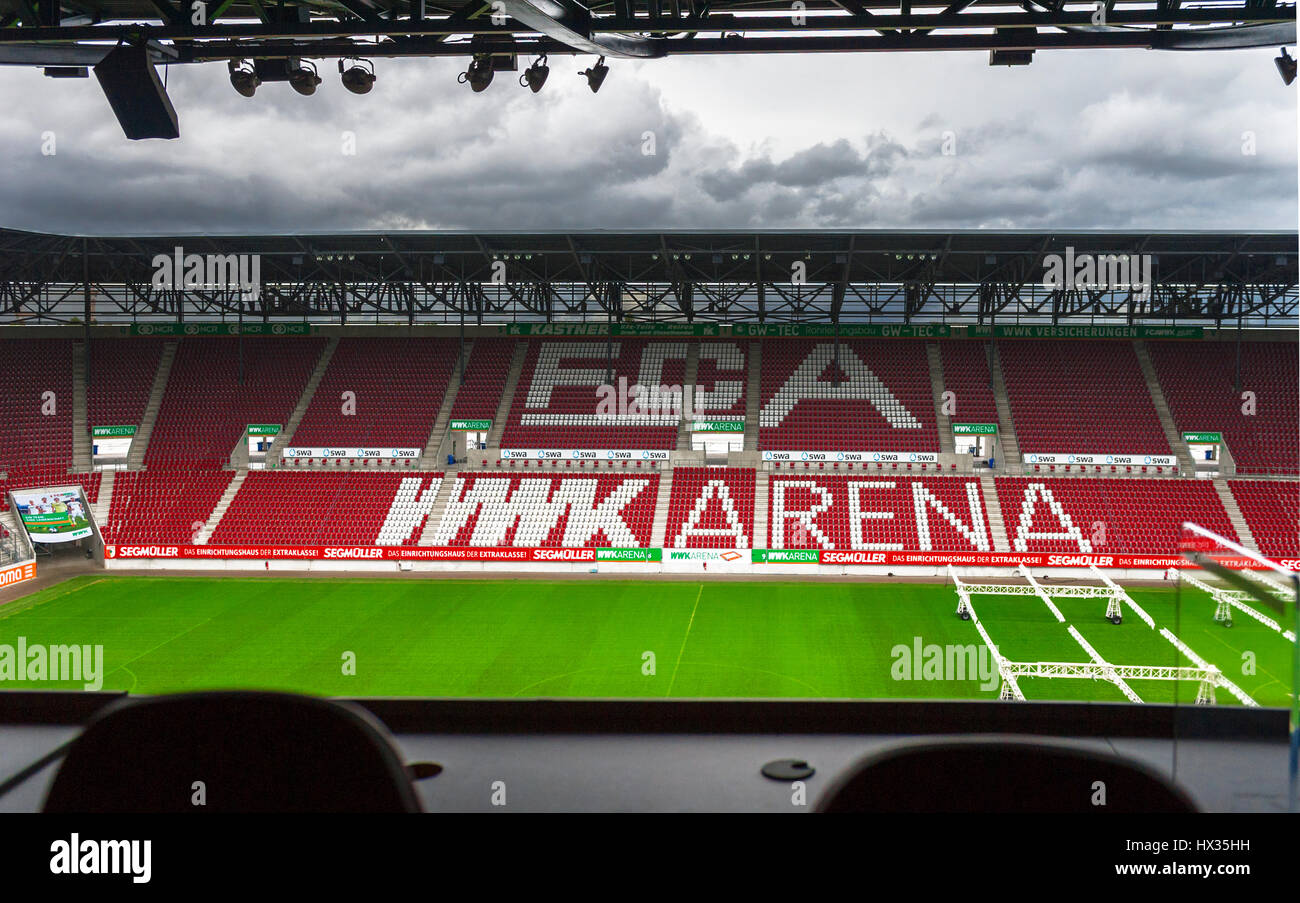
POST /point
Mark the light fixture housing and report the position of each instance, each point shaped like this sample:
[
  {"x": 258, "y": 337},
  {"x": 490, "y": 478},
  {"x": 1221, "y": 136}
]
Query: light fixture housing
[
  {"x": 479, "y": 74},
  {"x": 535, "y": 75},
  {"x": 242, "y": 79},
  {"x": 305, "y": 78},
  {"x": 359, "y": 77},
  {"x": 1285, "y": 67},
  {"x": 596, "y": 75}
]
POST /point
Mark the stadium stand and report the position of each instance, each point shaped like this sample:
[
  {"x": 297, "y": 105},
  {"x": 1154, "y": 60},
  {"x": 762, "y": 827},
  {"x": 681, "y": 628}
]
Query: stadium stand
[
  {"x": 966, "y": 375},
  {"x": 1078, "y": 514},
  {"x": 1272, "y": 511},
  {"x": 711, "y": 508},
  {"x": 582, "y": 510},
  {"x": 121, "y": 376},
  {"x": 556, "y": 402},
  {"x": 1080, "y": 397},
  {"x": 36, "y": 404},
  {"x": 721, "y": 379},
  {"x": 876, "y": 398},
  {"x": 162, "y": 505},
  {"x": 398, "y": 386},
  {"x": 486, "y": 372},
  {"x": 818, "y": 511},
  {"x": 1198, "y": 382},
  {"x": 206, "y": 408},
  {"x": 1058, "y": 392},
  {"x": 31, "y": 477},
  {"x": 328, "y": 508}
]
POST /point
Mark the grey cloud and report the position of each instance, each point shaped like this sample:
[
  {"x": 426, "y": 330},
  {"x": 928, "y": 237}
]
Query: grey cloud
[{"x": 1070, "y": 145}]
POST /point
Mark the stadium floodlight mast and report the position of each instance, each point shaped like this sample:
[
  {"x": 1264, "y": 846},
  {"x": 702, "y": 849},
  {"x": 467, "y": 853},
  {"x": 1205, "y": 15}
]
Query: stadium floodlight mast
[
  {"x": 479, "y": 74},
  {"x": 305, "y": 78},
  {"x": 535, "y": 75},
  {"x": 596, "y": 75},
  {"x": 1285, "y": 67},
  {"x": 357, "y": 78},
  {"x": 243, "y": 77}
]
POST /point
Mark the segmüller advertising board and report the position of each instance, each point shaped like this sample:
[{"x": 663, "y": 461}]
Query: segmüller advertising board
[{"x": 672, "y": 558}]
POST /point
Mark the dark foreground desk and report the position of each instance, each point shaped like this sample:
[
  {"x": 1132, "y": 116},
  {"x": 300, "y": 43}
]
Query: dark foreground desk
[{"x": 680, "y": 756}]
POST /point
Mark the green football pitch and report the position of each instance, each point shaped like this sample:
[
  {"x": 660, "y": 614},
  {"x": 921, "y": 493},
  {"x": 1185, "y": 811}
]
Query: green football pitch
[{"x": 626, "y": 638}]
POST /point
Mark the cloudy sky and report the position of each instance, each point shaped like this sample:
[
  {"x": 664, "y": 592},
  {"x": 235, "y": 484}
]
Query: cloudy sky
[{"x": 1080, "y": 139}]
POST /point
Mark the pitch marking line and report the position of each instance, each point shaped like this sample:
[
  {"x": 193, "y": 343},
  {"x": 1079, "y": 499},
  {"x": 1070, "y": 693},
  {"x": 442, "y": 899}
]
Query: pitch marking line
[
  {"x": 689, "y": 625},
  {"x": 123, "y": 666}
]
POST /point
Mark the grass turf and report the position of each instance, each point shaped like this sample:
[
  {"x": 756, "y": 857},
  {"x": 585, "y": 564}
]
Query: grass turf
[{"x": 633, "y": 638}]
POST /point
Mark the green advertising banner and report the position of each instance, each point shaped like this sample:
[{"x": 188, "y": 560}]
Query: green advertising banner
[
  {"x": 264, "y": 429},
  {"x": 862, "y": 330},
  {"x": 718, "y": 426},
  {"x": 629, "y": 554},
  {"x": 98, "y": 431},
  {"x": 53, "y": 514},
  {"x": 1087, "y": 332},
  {"x": 785, "y": 556},
  {"x": 974, "y": 429},
  {"x": 472, "y": 426},
  {"x": 1214, "y": 438},
  {"x": 255, "y": 329},
  {"x": 601, "y": 329}
]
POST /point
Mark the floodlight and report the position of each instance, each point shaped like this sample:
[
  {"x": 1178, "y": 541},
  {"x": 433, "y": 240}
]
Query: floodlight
[
  {"x": 304, "y": 79},
  {"x": 357, "y": 78},
  {"x": 243, "y": 79},
  {"x": 596, "y": 75},
  {"x": 1285, "y": 67},
  {"x": 479, "y": 74},
  {"x": 535, "y": 75}
]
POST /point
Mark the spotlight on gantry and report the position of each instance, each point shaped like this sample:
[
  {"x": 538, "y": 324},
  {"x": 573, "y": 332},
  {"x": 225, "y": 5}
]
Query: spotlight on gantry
[
  {"x": 596, "y": 75},
  {"x": 243, "y": 78},
  {"x": 1285, "y": 67},
  {"x": 304, "y": 79},
  {"x": 479, "y": 73},
  {"x": 357, "y": 78},
  {"x": 535, "y": 75}
]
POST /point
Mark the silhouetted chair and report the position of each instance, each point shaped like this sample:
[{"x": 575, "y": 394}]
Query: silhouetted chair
[
  {"x": 1011, "y": 776},
  {"x": 253, "y": 752}
]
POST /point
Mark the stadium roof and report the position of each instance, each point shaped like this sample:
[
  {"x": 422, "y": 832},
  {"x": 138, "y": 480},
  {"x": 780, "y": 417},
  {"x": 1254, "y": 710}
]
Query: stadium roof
[
  {"x": 74, "y": 32},
  {"x": 777, "y": 276},
  {"x": 263, "y": 42}
]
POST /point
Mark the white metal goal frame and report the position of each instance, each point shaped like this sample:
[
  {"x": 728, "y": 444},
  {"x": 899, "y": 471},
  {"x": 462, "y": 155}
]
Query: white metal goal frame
[
  {"x": 1228, "y": 599},
  {"x": 1208, "y": 677}
]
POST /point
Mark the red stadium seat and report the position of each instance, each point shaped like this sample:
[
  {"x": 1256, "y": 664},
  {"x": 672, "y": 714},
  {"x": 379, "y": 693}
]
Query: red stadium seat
[
  {"x": 1198, "y": 380},
  {"x": 1048, "y": 383},
  {"x": 206, "y": 408},
  {"x": 711, "y": 508},
  {"x": 818, "y": 512},
  {"x": 1109, "y": 515},
  {"x": 321, "y": 508},
  {"x": 550, "y": 510},
  {"x": 804, "y": 408},
  {"x": 1272, "y": 511}
]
